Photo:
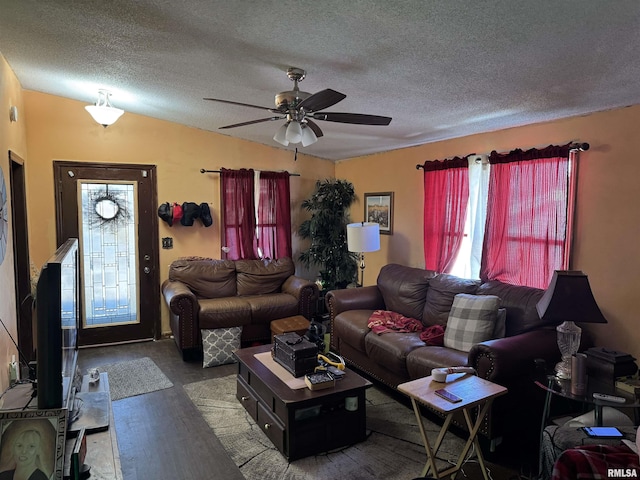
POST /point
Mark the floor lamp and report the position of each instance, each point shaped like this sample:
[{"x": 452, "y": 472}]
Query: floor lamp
[
  {"x": 569, "y": 299},
  {"x": 363, "y": 237}
]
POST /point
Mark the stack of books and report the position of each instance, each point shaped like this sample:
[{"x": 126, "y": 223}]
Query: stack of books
[{"x": 629, "y": 384}]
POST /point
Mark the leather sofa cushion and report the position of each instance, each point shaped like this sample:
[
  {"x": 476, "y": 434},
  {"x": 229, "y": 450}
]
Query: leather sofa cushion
[
  {"x": 520, "y": 303},
  {"x": 404, "y": 289},
  {"x": 421, "y": 360},
  {"x": 351, "y": 327},
  {"x": 442, "y": 290},
  {"x": 273, "y": 306},
  {"x": 206, "y": 277},
  {"x": 391, "y": 349},
  {"x": 257, "y": 277},
  {"x": 224, "y": 312}
]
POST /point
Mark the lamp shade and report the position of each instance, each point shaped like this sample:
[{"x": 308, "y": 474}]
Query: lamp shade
[
  {"x": 281, "y": 135},
  {"x": 105, "y": 116},
  {"x": 294, "y": 132},
  {"x": 363, "y": 237},
  {"x": 103, "y": 112},
  {"x": 569, "y": 298},
  {"x": 308, "y": 137}
]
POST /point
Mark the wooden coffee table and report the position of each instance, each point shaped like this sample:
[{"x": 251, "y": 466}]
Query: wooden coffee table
[{"x": 301, "y": 422}]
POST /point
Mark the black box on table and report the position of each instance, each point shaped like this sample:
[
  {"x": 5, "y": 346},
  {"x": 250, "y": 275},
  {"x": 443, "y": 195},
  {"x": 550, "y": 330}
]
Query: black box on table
[
  {"x": 296, "y": 354},
  {"x": 606, "y": 365}
]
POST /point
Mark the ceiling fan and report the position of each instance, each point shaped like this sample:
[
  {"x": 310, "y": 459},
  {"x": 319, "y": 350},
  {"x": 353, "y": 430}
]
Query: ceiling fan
[{"x": 300, "y": 109}]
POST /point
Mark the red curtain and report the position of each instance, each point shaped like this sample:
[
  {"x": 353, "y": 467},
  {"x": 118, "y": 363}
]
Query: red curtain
[
  {"x": 446, "y": 194},
  {"x": 238, "y": 213},
  {"x": 527, "y": 227},
  {"x": 274, "y": 215}
]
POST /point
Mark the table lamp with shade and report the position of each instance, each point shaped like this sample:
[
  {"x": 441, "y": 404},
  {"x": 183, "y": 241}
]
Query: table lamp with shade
[
  {"x": 363, "y": 237},
  {"x": 569, "y": 299}
]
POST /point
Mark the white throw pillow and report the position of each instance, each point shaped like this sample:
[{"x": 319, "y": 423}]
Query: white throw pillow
[
  {"x": 472, "y": 320},
  {"x": 218, "y": 346}
]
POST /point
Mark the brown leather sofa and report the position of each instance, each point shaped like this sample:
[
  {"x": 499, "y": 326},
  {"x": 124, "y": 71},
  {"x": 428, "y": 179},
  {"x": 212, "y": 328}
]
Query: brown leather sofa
[
  {"x": 203, "y": 293},
  {"x": 394, "y": 358}
]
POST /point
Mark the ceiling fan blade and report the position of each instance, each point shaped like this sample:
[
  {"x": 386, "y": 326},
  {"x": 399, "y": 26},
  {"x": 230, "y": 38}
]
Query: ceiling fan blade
[
  {"x": 242, "y": 104},
  {"x": 357, "y": 118},
  {"x": 314, "y": 126},
  {"x": 321, "y": 100},
  {"x": 251, "y": 122}
]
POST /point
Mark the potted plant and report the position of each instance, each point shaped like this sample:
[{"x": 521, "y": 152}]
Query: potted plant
[{"x": 327, "y": 229}]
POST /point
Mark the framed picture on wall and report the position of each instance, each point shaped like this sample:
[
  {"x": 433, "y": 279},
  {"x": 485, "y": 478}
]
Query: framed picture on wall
[
  {"x": 378, "y": 208},
  {"x": 33, "y": 439}
]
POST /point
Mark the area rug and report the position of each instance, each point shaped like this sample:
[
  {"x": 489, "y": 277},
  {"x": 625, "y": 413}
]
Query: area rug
[
  {"x": 134, "y": 377},
  {"x": 393, "y": 449}
]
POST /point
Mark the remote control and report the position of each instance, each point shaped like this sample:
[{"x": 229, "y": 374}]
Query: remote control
[{"x": 608, "y": 398}]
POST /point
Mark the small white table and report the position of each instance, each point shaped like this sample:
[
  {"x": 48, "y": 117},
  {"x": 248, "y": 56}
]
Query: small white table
[{"x": 474, "y": 392}]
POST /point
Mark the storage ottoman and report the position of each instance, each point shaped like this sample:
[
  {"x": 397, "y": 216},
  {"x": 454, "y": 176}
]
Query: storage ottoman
[{"x": 296, "y": 324}]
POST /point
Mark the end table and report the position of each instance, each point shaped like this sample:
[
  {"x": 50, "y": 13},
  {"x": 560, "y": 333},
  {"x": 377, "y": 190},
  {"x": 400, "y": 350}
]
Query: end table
[{"x": 473, "y": 391}]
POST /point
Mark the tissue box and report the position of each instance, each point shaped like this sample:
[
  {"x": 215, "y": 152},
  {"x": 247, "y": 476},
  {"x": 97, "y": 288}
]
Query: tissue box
[
  {"x": 295, "y": 353},
  {"x": 606, "y": 365}
]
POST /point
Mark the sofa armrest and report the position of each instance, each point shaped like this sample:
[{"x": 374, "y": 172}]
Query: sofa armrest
[
  {"x": 503, "y": 359},
  {"x": 179, "y": 297},
  {"x": 305, "y": 291},
  {"x": 362, "y": 298}
]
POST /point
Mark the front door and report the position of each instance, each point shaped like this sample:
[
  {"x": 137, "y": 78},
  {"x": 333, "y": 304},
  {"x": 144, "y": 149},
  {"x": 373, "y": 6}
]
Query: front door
[{"x": 111, "y": 209}]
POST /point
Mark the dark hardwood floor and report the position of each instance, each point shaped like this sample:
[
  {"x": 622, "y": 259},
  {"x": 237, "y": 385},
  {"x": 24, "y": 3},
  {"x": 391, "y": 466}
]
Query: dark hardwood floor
[{"x": 161, "y": 435}]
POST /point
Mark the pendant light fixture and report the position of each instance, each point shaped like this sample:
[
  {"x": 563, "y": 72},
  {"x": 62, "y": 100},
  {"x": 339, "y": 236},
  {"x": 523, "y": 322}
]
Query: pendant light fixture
[{"x": 103, "y": 112}]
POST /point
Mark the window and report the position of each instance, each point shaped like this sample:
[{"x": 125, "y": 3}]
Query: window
[
  {"x": 529, "y": 199},
  {"x": 256, "y": 230},
  {"x": 468, "y": 261}
]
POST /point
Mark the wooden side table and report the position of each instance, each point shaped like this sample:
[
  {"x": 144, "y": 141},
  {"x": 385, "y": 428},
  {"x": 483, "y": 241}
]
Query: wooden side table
[{"x": 474, "y": 392}]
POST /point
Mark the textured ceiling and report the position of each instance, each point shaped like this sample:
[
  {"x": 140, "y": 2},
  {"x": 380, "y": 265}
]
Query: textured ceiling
[{"x": 440, "y": 68}]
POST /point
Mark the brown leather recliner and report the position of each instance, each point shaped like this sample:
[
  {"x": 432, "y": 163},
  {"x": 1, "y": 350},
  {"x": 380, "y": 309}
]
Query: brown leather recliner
[{"x": 203, "y": 293}]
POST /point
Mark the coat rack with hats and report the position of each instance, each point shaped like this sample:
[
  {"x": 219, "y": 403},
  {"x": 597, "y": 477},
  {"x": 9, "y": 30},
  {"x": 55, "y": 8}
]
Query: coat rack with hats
[{"x": 185, "y": 214}]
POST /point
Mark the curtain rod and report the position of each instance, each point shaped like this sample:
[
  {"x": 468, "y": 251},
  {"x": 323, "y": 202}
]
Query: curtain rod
[
  {"x": 202, "y": 170},
  {"x": 581, "y": 146}
]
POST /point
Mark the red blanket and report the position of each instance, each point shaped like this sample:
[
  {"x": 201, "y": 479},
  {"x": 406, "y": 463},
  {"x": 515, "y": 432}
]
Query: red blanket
[
  {"x": 384, "y": 321},
  {"x": 596, "y": 462}
]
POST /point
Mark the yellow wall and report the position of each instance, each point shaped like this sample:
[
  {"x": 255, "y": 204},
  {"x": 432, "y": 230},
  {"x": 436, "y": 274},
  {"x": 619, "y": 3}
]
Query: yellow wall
[
  {"x": 12, "y": 137},
  {"x": 61, "y": 129},
  {"x": 607, "y": 212},
  {"x": 607, "y": 216}
]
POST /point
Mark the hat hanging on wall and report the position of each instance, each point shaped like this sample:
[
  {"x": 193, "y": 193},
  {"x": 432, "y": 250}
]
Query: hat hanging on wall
[
  {"x": 177, "y": 212},
  {"x": 190, "y": 211},
  {"x": 205, "y": 215},
  {"x": 165, "y": 212}
]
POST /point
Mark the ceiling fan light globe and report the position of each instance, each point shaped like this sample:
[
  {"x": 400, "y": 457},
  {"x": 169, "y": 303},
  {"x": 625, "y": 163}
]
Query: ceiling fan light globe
[
  {"x": 294, "y": 132},
  {"x": 308, "y": 137},
  {"x": 281, "y": 135}
]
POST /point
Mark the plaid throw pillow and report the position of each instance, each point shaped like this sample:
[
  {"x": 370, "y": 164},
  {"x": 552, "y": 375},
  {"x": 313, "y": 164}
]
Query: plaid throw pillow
[
  {"x": 218, "y": 346},
  {"x": 472, "y": 320}
]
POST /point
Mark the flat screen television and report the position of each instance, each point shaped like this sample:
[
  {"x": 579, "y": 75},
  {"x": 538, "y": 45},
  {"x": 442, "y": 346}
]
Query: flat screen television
[{"x": 57, "y": 317}]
